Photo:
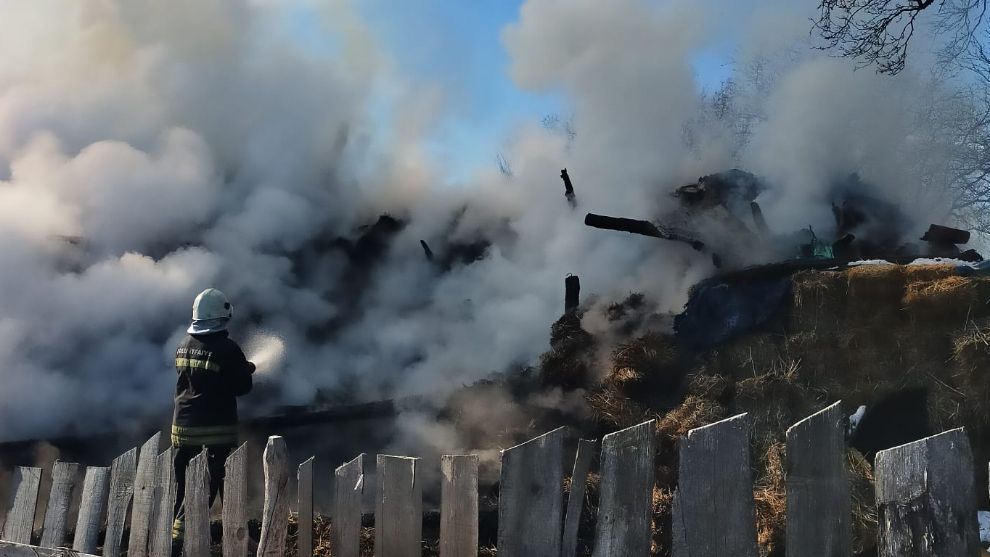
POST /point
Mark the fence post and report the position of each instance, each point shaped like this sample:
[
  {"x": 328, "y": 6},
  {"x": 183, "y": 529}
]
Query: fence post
[
  {"x": 144, "y": 492},
  {"x": 459, "y": 506},
  {"x": 818, "y": 504},
  {"x": 20, "y": 518},
  {"x": 530, "y": 497},
  {"x": 398, "y": 508},
  {"x": 65, "y": 475},
  {"x": 275, "y": 516},
  {"x": 626, "y": 501},
  {"x": 304, "y": 478},
  {"x": 96, "y": 487},
  {"x": 925, "y": 499},
  {"x": 715, "y": 492},
  {"x": 160, "y": 536},
  {"x": 345, "y": 527},
  {"x": 196, "y": 539},
  {"x": 235, "y": 537},
  {"x": 575, "y": 501},
  {"x": 121, "y": 491}
]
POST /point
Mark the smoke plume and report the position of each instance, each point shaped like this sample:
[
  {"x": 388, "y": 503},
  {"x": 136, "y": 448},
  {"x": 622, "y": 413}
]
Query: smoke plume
[{"x": 149, "y": 151}]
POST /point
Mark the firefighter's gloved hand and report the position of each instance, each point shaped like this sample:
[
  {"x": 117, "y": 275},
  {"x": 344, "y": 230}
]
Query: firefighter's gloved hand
[{"x": 251, "y": 367}]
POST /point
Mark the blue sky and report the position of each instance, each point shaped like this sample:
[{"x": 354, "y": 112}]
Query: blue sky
[{"x": 457, "y": 44}]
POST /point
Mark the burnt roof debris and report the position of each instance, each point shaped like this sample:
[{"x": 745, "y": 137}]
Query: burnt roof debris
[
  {"x": 568, "y": 188},
  {"x": 720, "y": 214}
]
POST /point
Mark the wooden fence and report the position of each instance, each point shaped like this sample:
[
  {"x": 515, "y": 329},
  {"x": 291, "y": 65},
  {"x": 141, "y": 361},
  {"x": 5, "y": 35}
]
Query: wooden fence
[{"x": 924, "y": 491}]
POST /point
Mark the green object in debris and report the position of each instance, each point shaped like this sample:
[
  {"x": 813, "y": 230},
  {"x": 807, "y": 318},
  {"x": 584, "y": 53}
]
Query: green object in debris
[{"x": 820, "y": 249}]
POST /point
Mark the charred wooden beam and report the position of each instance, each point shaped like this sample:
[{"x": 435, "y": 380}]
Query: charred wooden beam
[
  {"x": 761, "y": 223},
  {"x": 642, "y": 227},
  {"x": 572, "y": 293},
  {"x": 427, "y": 250},
  {"x": 938, "y": 234},
  {"x": 568, "y": 187}
]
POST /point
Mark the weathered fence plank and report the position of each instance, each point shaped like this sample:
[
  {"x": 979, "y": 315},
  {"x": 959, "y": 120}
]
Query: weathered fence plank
[
  {"x": 65, "y": 475},
  {"x": 20, "y": 518},
  {"x": 122, "y": 472},
  {"x": 144, "y": 492},
  {"x": 160, "y": 535},
  {"x": 625, "y": 503},
  {"x": 196, "y": 502},
  {"x": 96, "y": 487},
  {"x": 575, "y": 501},
  {"x": 10, "y": 549},
  {"x": 926, "y": 505},
  {"x": 235, "y": 538},
  {"x": 531, "y": 497},
  {"x": 817, "y": 486},
  {"x": 345, "y": 528},
  {"x": 398, "y": 508},
  {"x": 304, "y": 480},
  {"x": 715, "y": 492},
  {"x": 459, "y": 506},
  {"x": 275, "y": 515}
]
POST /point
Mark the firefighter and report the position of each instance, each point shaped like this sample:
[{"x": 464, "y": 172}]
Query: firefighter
[{"x": 212, "y": 372}]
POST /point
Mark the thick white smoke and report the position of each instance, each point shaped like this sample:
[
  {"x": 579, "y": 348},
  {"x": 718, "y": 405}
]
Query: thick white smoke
[{"x": 148, "y": 151}]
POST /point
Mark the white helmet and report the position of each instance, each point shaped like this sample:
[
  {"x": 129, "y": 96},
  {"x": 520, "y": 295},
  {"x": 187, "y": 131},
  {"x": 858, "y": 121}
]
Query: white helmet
[{"x": 211, "y": 304}]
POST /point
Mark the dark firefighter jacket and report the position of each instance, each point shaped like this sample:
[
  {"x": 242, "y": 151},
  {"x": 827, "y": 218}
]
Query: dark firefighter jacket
[{"x": 212, "y": 373}]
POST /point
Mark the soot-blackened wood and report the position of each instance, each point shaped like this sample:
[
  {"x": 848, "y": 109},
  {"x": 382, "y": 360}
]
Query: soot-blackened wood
[
  {"x": 572, "y": 293},
  {"x": 459, "y": 506},
  {"x": 65, "y": 476},
  {"x": 144, "y": 493},
  {"x": 10, "y": 549},
  {"x": 427, "y": 251},
  {"x": 160, "y": 530},
  {"x": 96, "y": 488},
  {"x": 304, "y": 481},
  {"x": 398, "y": 507},
  {"x": 575, "y": 501},
  {"x": 926, "y": 505},
  {"x": 568, "y": 188},
  {"x": 345, "y": 528},
  {"x": 275, "y": 515},
  {"x": 20, "y": 518},
  {"x": 196, "y": 541},
  {"x": 625, "y": 504},
  {"x": 715, "y": 491},
  {"x": 818, "y": 504},
  {"x": 530, "y": 497},
  {"x": 235, "y": 534},
  {"x": 122, "y": 473}
]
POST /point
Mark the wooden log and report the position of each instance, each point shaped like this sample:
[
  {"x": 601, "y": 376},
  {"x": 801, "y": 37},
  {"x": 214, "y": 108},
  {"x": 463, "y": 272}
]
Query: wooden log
[
  {"x": 625, "y": 505},
  {"x": 235, "y": 534},
  {"x": 459, "y": 506},
  {"x": 160, "y": 535},
  {"x": 398, "y": 508},
  {"x": 20, "y": 518},
  {"x": 568, "y": 187},
  {"x": 926, "y": 505},
  {"x": 65, "y": 476},
  {"x": 10, "y": 549},
  {"x": 345, "y": 528},
  {"x": 122, "y": 473},
  {"x": 275, "y": 515},
  {"x": 818, "y": 504},
  {"x": 304, "y": 480},
  {"x": 575, "y": 502},
  {"x": 530, "y": 504},
  {"x": 96, "y": 487},
  {"x": 196, "y": 541},
  {"x": 144, "y": 493},
  {"x": 572, "y": 293},
  {"x": 715, "y": 492}
]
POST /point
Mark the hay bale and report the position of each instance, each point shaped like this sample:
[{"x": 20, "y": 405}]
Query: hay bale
[
  {"x": 928, "y": 272},
  {"x": 748, "y": 355},
  {"x": 694, "y": 412},
  {"x": 971, "y": 374},
  {"x": 770, "y": 498},
  {"x": 570, "y": 361},
  {"x": 651, "y": 359},
  {"x": 612, "y": 408},
  {"x": 949, "y": 301},
  {"x": 818, "y": 300},
  {"x": 863, "y": 501},
  {"x": 775, "y": 400},
  {"x": 710, "y": 386},
  {"x": 875, "y": 293}
]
